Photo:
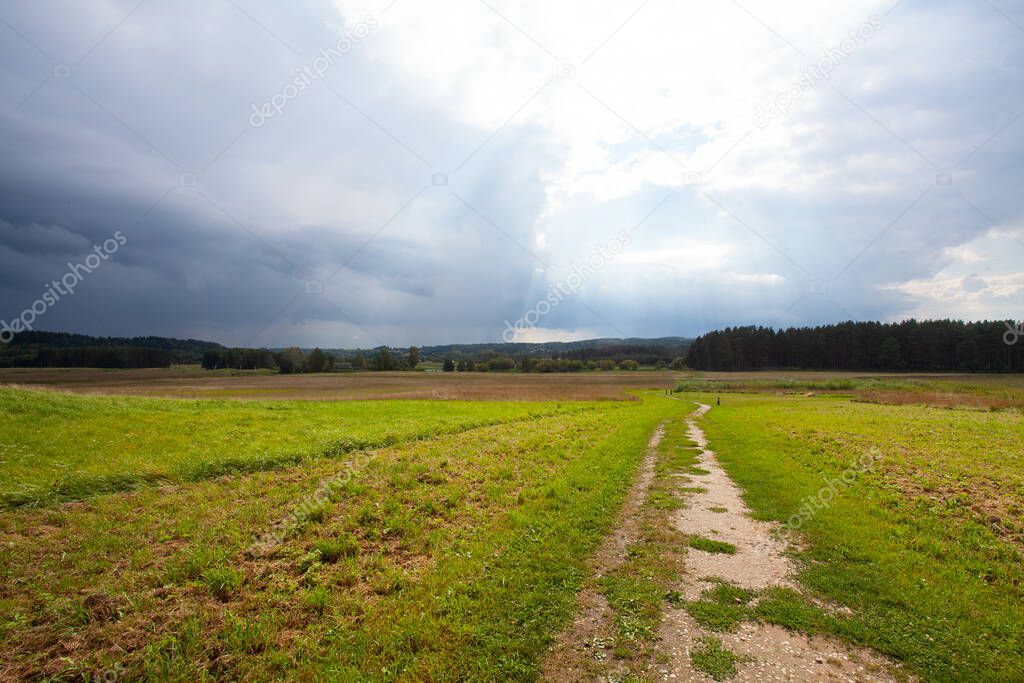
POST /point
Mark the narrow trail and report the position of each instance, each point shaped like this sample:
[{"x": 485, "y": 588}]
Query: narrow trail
[{"x": 771, "y": 653}]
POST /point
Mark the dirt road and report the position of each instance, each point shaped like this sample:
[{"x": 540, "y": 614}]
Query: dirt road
[{"x": 758, "y": 561}]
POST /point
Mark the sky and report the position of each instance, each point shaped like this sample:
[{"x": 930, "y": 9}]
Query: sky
[{"x": 356, "y": 173}]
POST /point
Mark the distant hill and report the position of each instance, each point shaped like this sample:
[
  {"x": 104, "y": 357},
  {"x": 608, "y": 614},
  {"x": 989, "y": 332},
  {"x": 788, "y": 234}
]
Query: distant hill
[
  {"x": 52, "y": 349},
  {"x": 642, "y": 350}
]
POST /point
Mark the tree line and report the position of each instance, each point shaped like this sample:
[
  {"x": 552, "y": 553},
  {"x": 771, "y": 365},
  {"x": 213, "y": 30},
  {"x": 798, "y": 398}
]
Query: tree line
[
  {"x": 63, "y": 349},
  {"x": 118, "y": 357},
  {"x": 294, "y": 360},
  {"x": 911, "y": 345},
  {"x": 542, "y": 365}
]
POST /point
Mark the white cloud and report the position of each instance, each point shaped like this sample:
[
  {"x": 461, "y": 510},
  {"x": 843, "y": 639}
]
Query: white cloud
[
  {"x": 982, "y": 279},
  {"x": 538, "y": 335}
]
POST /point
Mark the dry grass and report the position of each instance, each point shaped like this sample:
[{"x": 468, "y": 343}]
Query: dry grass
[
  {"x": 980, "y": 391},
  {"x": 193, "y": 382}
]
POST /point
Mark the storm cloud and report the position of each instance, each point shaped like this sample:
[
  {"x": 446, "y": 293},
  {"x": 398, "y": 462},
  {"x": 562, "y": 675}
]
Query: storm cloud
[{"x": 447, "y": 162}]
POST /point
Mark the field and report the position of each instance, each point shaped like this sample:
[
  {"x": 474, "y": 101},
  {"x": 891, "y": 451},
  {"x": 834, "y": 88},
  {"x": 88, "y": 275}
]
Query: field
[
  {"x": 467, "y": 544},
  {"x": 179, "y": 539},
  {"x": 924, "y": 547},
  {"x": 62, "y": 447},
  {"x": 192, "y": 382}
]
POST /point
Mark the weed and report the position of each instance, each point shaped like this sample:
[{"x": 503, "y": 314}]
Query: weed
[{"x": 714, "y": 660}]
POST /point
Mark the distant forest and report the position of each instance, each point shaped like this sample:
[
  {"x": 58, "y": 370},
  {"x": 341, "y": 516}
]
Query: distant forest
[
  {"x": 913, "y": 346},
  {"x": 65, "y": 350},
  {"x": 60, "y": 349},
  {"x": 925, "y": 346}
]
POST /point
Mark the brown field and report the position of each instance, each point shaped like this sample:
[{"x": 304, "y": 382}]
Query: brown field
[
  {"x": 982, "y": 391},
  {"x": 193, "y": 382}
]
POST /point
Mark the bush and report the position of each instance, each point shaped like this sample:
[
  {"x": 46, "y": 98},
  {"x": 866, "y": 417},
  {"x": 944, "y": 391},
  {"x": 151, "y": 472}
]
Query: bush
[{"x": 628, "y": 364}]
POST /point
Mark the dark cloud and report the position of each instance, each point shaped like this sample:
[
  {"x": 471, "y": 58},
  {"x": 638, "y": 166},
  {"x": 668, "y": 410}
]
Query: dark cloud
[{"x": 232, "y": 229}]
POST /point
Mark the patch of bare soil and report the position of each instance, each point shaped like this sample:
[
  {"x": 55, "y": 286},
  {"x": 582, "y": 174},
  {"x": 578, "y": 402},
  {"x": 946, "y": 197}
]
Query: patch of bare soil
[
  {"x": 769, "y": 653},
  {"x": 579, "y": 651}
]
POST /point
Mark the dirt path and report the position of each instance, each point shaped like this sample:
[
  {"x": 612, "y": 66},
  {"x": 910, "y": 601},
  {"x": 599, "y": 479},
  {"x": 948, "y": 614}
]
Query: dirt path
[
  {"x": 572, "y": 657},
  {"x": 771, "y": 653}
]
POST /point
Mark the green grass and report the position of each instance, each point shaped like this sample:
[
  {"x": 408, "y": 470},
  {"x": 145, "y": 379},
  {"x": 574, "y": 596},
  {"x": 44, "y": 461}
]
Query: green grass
[
  {"x": 636, "y": 601},
  {"x": 709, "y": 545},
  {"x": 222, "y": 582},
  {"x": 1007, "y": 386},
  {"x": 333, "y": 549},
  {"x": 454, "y": 557},
  {"x": 57, "y": 447},
  {"x": 923, "y": 547},
  {"x": 637, "y": 589},
  {"x": 714, "y": 660},
  {"x": 721, "y": 608}
]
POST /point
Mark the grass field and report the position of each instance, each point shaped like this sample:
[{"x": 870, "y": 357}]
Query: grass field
[
  {"x": 63, "y": 447},
  {"x": 455, "y": 556},
  {"x": 175, "y": 539},
  {"x": 979, "y": 391},
  {"x": 924, "y": 546}
]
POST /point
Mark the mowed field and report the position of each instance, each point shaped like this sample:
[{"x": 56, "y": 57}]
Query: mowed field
[{"x": 180, "y": 539}]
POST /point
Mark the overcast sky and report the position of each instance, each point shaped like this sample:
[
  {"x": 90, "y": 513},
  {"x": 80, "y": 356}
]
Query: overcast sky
[{"x": 348, "y": 174}]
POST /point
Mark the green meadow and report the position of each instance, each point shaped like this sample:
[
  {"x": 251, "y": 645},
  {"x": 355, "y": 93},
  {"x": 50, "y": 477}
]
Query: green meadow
[
  {"x": 161, "y": 539},
  {"x": 923, "y": 547},
  {"x": 449, "y": 556},
  {"x": 59, "y": 447}
]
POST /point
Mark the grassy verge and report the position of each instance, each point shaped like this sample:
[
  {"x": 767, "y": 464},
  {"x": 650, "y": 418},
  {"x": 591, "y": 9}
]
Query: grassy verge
[
  {"x": 923, "y": 546},
  {"x": 450, "y": 558},
  {"x": 58, "y": 447}
]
